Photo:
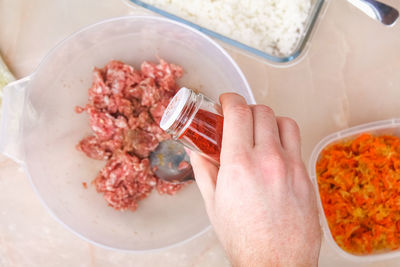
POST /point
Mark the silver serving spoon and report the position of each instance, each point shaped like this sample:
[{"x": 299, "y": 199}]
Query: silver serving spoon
[
  {"x": 171, "y": 163},
  {"x": 386, "y": 14}
]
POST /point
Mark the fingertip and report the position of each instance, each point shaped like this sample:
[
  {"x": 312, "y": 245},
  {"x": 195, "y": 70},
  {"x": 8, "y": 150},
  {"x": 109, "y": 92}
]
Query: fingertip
[
  {"x": 292, "y": 128},
  {"x": 226, "y": 97},
  {"x": 223, "y": 96},
  {"x": 196, "y": 159},
  {"x": 238, "y": 119},
  {"x": 205, "y": 174},
  {"x": 266, "y": 132},
  {"x": 202, "y": 166},
  {"x": 290, "y": 136}
]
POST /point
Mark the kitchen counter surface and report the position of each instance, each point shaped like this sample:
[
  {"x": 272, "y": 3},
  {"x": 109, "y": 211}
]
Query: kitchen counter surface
[{"x": 349, "y": 75}]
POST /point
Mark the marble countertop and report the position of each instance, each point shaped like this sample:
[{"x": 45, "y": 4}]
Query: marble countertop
[{"x": 350, "y": 75}]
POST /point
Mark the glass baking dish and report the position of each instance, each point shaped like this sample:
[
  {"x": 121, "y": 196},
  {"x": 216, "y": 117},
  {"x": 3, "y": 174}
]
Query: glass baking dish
[{"x": 316, "y": 10}]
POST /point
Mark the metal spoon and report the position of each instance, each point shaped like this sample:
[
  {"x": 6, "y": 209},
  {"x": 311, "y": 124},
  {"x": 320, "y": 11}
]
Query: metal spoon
[
  {"x": 387, "y": 15},
  {"x": 168, "y": 161}
]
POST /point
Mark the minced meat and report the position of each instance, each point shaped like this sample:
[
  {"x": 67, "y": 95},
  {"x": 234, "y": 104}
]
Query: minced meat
[{"x": 125, "y": 107}]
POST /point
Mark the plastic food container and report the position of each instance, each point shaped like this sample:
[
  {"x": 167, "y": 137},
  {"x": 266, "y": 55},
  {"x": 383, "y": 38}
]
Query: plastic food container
[
  {"x": 40, "y": 128},
  {"x": 317, "y": 8},
  {"x": 391, "y": 127}
]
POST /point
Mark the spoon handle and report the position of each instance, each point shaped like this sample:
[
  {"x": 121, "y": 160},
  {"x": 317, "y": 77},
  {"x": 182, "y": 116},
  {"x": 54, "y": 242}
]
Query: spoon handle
[{"x": 386, "y": 14}]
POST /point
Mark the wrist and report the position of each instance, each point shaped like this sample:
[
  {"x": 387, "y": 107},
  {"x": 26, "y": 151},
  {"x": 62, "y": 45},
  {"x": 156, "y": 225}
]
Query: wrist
[
  {"x": 275, "y": 262},
  {"x": 308, "y": 257}
]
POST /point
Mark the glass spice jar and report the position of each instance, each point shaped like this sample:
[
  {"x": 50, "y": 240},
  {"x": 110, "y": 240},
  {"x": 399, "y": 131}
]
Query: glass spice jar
[{"x": 196, "y": 121}]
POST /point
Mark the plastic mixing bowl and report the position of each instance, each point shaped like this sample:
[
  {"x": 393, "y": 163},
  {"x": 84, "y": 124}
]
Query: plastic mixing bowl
[{"x": 40, "y": 128}]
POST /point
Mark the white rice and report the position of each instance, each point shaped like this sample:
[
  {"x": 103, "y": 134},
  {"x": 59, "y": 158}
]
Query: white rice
[{"x": 273, "y": 26}]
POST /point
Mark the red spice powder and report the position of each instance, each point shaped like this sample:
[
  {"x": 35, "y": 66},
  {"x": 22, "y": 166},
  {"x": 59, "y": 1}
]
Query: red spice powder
[{"x": 205, "y": 132}]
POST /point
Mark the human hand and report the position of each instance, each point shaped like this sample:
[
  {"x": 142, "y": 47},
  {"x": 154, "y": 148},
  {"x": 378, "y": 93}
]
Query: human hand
[{"x": 260, "y": 200}]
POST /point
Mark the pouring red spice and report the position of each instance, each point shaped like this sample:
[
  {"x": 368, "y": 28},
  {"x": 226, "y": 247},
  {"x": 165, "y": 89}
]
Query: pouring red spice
[{"x": 196, "y": 122}]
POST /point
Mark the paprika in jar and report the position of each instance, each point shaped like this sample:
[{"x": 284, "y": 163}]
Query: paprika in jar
[{"x": 196, "y": 121}]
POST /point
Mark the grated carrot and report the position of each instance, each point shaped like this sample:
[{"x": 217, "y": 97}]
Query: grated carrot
[{"x": 359, "y": 185}]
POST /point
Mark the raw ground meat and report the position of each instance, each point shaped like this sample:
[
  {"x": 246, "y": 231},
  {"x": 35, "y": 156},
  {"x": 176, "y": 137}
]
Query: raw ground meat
[{"x": 125, "y": 107}]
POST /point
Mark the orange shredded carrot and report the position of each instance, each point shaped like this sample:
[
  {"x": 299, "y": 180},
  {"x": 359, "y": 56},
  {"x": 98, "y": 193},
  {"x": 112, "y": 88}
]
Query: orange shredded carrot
[{"x": 359, "y": 185}]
